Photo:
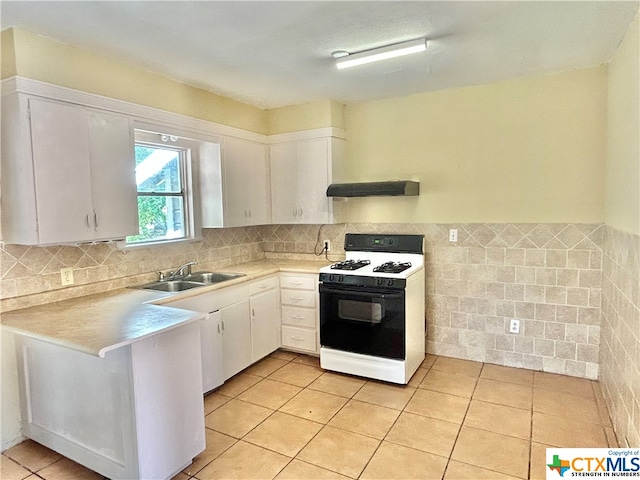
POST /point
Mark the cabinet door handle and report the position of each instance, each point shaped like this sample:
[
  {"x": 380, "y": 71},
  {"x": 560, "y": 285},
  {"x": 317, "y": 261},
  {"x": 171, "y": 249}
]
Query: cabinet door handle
[
  {"x": 263, "y": 286},
  {"x": 218, "y": 328},
  {"x": 253, "y": 313},
  {"x": 222, "y": 322},
  {"x": 249, "y": 213},
  {"x": 301, "y": 211},
  {"x": 88, "y": 221},
  {"x": 95, "y": 220}
]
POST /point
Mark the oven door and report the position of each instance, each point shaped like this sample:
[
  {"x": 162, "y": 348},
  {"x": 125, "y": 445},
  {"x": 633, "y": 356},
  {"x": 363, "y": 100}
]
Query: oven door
[{"x": 368, "y": 321}]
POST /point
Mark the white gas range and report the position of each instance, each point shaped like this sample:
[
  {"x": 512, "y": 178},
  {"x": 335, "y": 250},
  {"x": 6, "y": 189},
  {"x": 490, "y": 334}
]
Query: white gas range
[{"x": 372, "y": 308}]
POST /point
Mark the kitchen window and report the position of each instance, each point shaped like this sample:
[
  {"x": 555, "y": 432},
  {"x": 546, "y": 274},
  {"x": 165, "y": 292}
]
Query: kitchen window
[{"x": 163, "y": 166}]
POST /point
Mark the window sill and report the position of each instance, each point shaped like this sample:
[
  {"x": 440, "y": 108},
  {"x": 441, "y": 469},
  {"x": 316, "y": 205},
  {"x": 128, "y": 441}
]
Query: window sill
[{"x": 123, "y": 245}]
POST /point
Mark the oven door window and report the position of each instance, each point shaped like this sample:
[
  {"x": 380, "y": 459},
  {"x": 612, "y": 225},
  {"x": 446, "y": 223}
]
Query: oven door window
[{"x": 365, "y": 321}]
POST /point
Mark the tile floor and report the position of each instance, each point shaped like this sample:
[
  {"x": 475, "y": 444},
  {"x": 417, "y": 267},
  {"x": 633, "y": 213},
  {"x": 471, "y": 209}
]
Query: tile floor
[{"x": 286, "y": 418}]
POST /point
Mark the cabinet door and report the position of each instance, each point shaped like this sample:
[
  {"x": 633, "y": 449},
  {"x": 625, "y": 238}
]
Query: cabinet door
[
  {"x": 62, "y": 175},
  {"x": 212, "y": 354},
  {"x": 284, "y": 183},
  {"x": 246, "y": 183},
  {"x": 236, "y": 338},
  {"x": 264, "y": 324},
  {"x": 113, "y": 176},
  {"x": 312, "y": 179}
]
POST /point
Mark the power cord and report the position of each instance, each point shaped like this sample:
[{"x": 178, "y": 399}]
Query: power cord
[{"x": 325, "y": 246}]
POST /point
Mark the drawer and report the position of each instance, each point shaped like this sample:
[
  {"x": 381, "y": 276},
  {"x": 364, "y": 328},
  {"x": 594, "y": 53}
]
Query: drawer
[
  {"x": 299, "y": 298},
  {"x": 299, "y": 338},
  {"x": 262, "y": 285},
  {"x": 299, "y": 317},
  {"x": 300, "y": 283}
]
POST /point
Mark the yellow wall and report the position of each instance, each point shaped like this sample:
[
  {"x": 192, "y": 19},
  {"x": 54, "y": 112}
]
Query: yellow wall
[
  {"x": 307, "y": 116},
  {"x": 7, "y": 54},
  {"x": 622, "y": 199},
  {"x": 43, "y": 59},
  {"x": 524, "y": 150}
]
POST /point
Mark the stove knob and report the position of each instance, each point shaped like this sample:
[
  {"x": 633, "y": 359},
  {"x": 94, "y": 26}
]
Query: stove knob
[
  {"x": 331, "y": 278},
  {"x": 340, "y": 278},
  {"x": 390, "y": 282}
]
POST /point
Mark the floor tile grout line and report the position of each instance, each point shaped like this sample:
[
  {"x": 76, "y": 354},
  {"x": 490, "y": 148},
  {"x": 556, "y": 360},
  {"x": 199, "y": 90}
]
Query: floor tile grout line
[
  {"x": 352, "y": 397},
  {"x": 390, "y": 428},
  {"x": 278, "y": 410},
  {"x": 462, "y": 423},
  {"x": 235, "y": 397}
]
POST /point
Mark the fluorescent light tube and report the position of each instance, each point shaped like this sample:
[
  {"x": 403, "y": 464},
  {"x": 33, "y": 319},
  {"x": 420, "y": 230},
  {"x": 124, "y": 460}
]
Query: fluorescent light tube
[{"x": 382, "y": 53}]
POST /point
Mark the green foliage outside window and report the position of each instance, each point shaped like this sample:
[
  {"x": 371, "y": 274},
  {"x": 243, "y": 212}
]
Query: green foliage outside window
[{"x": 160, "y": 216}]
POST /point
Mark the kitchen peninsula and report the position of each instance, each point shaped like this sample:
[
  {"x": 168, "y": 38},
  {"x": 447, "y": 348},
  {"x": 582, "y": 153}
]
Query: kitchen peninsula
[
  {"x": 114, "y": 380},
  {"x": 98, "y": 372}
]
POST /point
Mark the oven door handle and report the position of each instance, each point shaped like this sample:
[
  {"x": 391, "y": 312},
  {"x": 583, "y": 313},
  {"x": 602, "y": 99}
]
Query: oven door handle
[{"x": 360, "y": 293}]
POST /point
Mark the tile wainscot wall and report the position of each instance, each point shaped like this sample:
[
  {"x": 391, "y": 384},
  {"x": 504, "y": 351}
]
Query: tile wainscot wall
[
  {"x": 573, "y": 287},
  {"x": 620, "y": 335}
]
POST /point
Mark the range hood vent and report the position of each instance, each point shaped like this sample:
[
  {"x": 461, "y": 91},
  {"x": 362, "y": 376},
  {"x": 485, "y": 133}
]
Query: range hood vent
[{"x": 374, "y": 189}]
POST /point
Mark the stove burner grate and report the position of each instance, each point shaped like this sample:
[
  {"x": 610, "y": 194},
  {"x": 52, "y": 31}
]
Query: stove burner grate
[
  {"x": 392, "y": 267},
  {"x": 350, "y": 264}
]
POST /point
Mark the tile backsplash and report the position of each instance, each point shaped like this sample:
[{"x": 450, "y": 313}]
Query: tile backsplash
[
  {"x": 31, "y": 275},
  {"x": 574, "y": 288},
  {"x": 620, "y": 342},
  {"x": 547, "y": 276}
]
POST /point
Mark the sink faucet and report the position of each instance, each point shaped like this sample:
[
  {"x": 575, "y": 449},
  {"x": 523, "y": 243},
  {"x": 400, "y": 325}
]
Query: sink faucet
[{"x": 180, "y": 271}]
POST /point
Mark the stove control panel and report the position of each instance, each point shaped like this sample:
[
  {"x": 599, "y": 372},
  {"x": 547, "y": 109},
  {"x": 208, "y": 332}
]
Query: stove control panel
[
  {"x": 383, "y": 243},
  {"x": 362, "y": 281}
]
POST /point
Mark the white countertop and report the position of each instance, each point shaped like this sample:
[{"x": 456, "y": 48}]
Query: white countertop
[{"x": 98, "y": 323}]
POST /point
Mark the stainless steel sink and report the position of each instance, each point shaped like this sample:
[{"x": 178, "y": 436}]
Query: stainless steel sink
[
  {"x": 171, "y": 286},
  {"x": 212, "y": 277},
  {"x": 193, "y": 280}
]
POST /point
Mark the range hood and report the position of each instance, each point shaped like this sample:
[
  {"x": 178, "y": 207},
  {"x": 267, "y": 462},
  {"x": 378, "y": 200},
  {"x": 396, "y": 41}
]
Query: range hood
[{"x": 374, "y": 189}]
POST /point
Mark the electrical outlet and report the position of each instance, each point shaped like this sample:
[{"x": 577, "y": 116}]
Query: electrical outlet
[
  {"x": 514, "y": 326},
  {"x": 453, "y": 234},
  {"x": 66, "y": 275},
  {"x": 327, "y": 245}
]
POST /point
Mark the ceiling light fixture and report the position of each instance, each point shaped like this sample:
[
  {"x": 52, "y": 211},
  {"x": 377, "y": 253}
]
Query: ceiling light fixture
[{"x": 381, "y": 53}]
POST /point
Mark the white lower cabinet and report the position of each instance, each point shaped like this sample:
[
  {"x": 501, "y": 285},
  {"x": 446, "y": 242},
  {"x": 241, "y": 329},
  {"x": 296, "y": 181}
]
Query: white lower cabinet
[
  {"x": 242, "y": 327},
  {"x": 236, "y": 338},
  {"x": 136, "y": 413},
  {"x": 265, "y": 317},
  {"x": 212, "y": 354},
  {"x": 299, "y": 302}
]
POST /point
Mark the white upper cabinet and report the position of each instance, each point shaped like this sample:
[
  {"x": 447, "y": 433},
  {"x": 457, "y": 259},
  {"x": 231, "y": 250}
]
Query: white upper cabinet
[
  {"x": 68, "y": 174},
  {"x": 246, "y": 183},
  {"x": 113, "y": 176},
  {"x": 301, "y": 171}
]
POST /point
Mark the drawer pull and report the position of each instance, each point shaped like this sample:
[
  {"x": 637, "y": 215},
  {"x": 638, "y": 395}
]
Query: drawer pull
[
  {"x": 297, "y": 299},
  {"x": 299, "y": 339},
  {"x": 298, "y": 317}
]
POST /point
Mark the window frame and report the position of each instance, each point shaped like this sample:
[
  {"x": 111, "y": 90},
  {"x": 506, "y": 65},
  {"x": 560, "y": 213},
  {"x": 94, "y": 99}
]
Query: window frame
[{"x": 184, "y": 148}]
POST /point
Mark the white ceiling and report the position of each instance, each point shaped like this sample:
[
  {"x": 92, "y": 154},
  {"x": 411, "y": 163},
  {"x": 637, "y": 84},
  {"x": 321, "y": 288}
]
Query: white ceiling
[{"x": 271, "y": 54}]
